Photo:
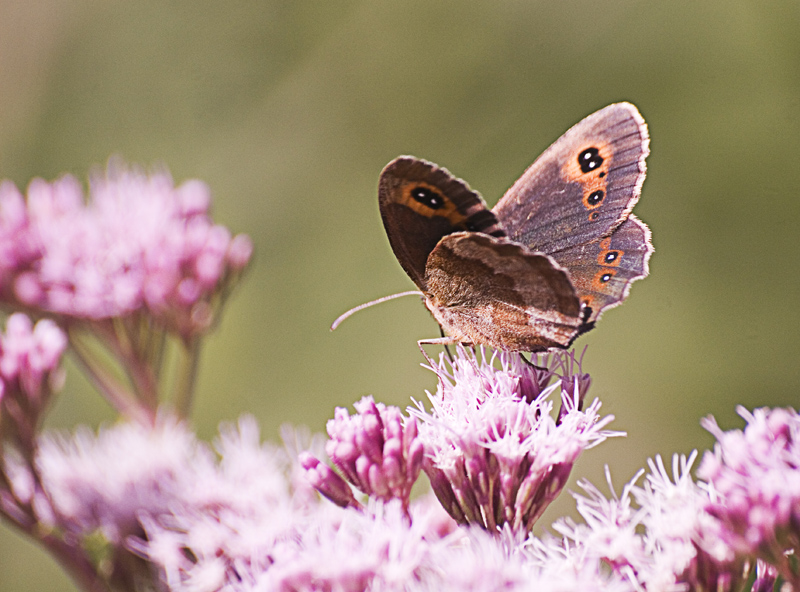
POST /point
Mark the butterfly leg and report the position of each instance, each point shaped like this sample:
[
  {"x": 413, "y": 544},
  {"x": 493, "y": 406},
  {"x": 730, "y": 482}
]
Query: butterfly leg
[
  {"x": 443, "y": 340},
  {"x": 446, "y": 346},
  {"x": 531, "y": 364}
]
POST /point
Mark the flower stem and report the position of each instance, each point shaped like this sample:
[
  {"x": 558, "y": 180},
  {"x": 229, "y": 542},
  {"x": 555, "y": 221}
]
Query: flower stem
[
  {"x": 116, "y": 394},
  {"x": 187, "y": 377}
]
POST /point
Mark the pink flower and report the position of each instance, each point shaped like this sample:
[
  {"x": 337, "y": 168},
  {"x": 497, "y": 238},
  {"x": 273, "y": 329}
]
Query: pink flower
[
  {"x": 682, "y": 538},
  {"x": 656, "y": 536},
  {"x": 137, "y": 244},
  {"x": 755, "y": 474},
  {"x": 18, "y": 247},
  {"x": 377, "y": 450},
  {"x": 102, "y": 482},
  {"x": 30, "y": 354},
  {"x": 327, "y": 482},
  {"x": 494, "y": 453},
  {"x": 30, "y": 359}
]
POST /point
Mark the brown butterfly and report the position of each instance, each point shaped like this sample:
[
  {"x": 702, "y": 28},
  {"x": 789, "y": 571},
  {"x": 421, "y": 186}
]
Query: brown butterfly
[{"x": 559, "y": 248}]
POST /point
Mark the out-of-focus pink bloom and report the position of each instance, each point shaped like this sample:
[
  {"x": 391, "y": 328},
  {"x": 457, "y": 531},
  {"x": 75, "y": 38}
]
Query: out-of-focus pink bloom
[
  {"x": 102, "y": 482},
  {"x": 130, "y": 479},
  {"x": 609, "y": 530},
  {"x": 766, "y": 576},
  {"x": 494, "y": 455},
  {"x": 681, "y": 537},
  {"x": 30, "y": 358},
  {"x": 377, "y": 450},
  {"x": 137, "y": 244},
  {"x": 755, "y": 474},
  {"x": 18, "y": 247},
  {"x": 656, "y": 536},
  {"x": 564, "y": 566}
]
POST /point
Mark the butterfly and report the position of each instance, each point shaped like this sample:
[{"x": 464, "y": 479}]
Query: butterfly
[{"x": 558, "y": 249}]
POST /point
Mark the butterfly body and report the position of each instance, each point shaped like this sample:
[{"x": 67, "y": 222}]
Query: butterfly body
[{"x": 560, "y": 247}]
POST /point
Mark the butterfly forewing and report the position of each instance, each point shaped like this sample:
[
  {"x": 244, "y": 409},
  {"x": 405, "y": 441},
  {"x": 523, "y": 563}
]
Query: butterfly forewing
[
  {"x": 583, "y": 186},
  {"x": 420, "y": 203}
]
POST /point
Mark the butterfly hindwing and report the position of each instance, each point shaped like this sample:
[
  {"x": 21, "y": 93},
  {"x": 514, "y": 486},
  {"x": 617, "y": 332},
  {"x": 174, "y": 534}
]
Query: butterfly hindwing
[
  {"x": 494, "y": 291},
  {"x": 602, "y": 271}
]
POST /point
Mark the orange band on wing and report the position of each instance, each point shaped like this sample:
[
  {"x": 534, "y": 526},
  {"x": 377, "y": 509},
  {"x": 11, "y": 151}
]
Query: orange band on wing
[
  {"x": 446, "y": 210},
  {"x": 588, "y": 166}
]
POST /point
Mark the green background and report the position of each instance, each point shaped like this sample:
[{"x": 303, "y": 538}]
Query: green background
[{"x": 289, "y": 110}]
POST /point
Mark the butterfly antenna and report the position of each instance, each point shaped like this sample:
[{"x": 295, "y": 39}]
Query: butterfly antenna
[{"x": 352, "y": 311}]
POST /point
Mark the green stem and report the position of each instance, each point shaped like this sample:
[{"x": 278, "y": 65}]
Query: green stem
[
  {"x": 118, "y": 338},
  {"x": 187, "y": 377},
  {"x": 119, "y": 397}
]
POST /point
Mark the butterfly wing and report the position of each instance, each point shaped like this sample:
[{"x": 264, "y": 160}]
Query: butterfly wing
[
  {"x": 603, "y": 270},
  {"x": 420, "y": 203},
  {"x": 579, "y": 192},
  {"x": 492, "y": 291}
]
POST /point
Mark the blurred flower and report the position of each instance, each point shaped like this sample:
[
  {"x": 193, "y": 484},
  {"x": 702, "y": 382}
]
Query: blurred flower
[
  {"x": 494, "y": 454},
  {"x": 472, "y": 560},
  {"x": 563, "y": 566},
  {"x": 102, "y": 482},
  {"x": 239, "y": 528},
  {"x": 657, "y": 536},
  {"x": 139, "y": 243},
  {"x": 609, "y": 532},
  {"x": 18, "y": 246},
  {"x": 755, "y": 474},
  {"x": 766, "y": 576},
  {"x": 681, "y": 537},
  {"x": 30, "y": 358},
  {"x": 138, "y": 492},
  {"x": 353, "y": 551}
]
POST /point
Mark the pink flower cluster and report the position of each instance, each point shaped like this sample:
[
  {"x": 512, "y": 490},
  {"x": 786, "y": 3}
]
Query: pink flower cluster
[
  {"x": 495, "y": 452},
  {"x": 30, "y": 358},
  {"x": 29, "y": 354},
  {"x": 377, "y": 451},
  {"x": 755, "y": 475},
  {"x": 233, "y": 523},
  {"x": 738, "y": 526},
  {"x": 236, "y": 524},
  {"x": 138, "y": 243}
]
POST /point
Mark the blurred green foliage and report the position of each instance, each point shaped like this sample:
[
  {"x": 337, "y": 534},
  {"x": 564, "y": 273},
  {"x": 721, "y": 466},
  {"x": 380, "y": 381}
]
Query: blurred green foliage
[{"x": 290, "y": 108}]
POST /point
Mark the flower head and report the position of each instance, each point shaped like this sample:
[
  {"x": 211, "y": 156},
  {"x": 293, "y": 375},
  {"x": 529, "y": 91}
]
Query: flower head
[
  {"x": 30, "y": 358},
  {"x": 101, "y": 482},
  {"x": 377, "y": 450},
  {"x": 327, "y": 482},
  {"x": 755, "y": 475},
  {"x": 655, "y": 536},
  {"x": 494, "y": 454},
  {"x": 681, "y": 537},
  {"x": 138, "y": 244}
]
